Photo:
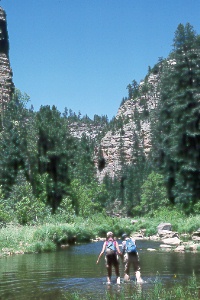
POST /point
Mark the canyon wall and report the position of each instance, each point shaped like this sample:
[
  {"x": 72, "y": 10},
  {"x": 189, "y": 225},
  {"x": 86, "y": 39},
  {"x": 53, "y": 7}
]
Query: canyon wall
[{"x": 6, "y": 81}]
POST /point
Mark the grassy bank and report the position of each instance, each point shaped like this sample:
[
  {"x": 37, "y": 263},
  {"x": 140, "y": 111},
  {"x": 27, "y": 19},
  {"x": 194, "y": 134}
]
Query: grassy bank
[{"x": 47, "y": 237}]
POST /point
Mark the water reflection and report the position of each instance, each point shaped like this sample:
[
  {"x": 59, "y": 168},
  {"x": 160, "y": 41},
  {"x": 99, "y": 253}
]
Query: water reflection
[{"x": 55, "y": 275}]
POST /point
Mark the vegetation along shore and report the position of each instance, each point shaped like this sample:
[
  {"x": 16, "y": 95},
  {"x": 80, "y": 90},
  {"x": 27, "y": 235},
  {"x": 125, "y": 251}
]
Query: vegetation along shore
[{"x": 49, "y": 236}]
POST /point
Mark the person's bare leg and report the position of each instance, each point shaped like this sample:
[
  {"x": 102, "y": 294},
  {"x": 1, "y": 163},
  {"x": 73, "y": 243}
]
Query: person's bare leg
[
  {"x": 117, "y": 273},
  {"x": 136, "y": 266},
  {"x": 126, "y": 272},
  {"x": 109, "y": 271},
  {"x": 138, "y": 277},
  {"x": 126, "y": 277}
]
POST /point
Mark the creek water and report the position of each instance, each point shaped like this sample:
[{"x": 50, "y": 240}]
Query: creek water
[{"x": 59, "y": 274}]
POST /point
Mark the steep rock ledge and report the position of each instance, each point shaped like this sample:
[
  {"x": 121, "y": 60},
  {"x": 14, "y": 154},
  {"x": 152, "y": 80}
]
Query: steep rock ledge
[
  {"x": 113, "y": 143},
  {"x": 6, "y": 82}
]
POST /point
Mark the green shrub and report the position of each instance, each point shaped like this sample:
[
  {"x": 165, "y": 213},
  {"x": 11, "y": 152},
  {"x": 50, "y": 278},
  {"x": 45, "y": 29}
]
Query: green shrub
[
  {"x": 57, "y": 234},
  {"x": 16, "y": 237},
  {"x": 6, "y": 214},
  {"x": 186, "y": 225},
  {"x": 154, "y": 194},
  {"x": 84, "y": 234},
  {"x": 46, "y": 246},
  {"x": 28, "y": 210},
  {"x": 65, "y": 212},
  {"x": 6, "y": 211},
  {"x": 151, "y": 230},
  {"x": 102, "y": 230}
]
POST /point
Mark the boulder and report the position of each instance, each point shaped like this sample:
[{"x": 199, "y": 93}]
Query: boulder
[
  {"x": 193, "y": 247},
  {"x": 172, "y": 241},
  {"x": 196, "y": 233},
  {"x": 167, "y": 234},
  {"x": 164, "y": 226},
  {"x": 196, "y": 238},
  {"x": 165, "y": 246},
  {"x": 137, "y": 235},
  {"x": 154, "y": 238},
  {"x": 180, "y": 248}
]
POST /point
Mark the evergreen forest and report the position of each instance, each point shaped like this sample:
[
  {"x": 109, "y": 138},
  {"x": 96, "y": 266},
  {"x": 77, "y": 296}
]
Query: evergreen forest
[{"x": 45, "y": 171}]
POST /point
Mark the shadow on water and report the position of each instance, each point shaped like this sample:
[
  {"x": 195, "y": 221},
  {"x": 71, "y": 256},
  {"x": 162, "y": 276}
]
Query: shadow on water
[{"x": 60, "y": 274}]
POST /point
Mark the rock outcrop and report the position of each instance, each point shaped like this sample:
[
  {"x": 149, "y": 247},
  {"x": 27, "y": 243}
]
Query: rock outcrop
[
  {"x": 6, "y": 82},
  {"x": 132, "y": 126},
  {"x": 78, "y": 129},
  {"x": 133, "y": 130}
]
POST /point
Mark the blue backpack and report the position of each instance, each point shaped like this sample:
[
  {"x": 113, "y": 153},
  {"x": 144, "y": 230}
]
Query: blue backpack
[
  {"x": 110, "y": 247},
  {"x": 130, "y": 246}
]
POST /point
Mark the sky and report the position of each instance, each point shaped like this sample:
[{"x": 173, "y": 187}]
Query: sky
[{"x": 82, "y": 54}]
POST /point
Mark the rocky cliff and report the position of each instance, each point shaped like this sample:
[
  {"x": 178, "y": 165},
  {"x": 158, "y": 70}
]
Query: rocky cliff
[
  {"x": 132, "y": 122},
  {"x": 134, "y": 129},
  {"x": 6, "y": 82},
  {"x": 132, "y": 126}
]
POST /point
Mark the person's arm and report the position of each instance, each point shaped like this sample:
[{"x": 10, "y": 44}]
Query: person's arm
[
  {"x": 101, "y": 253},
  {"x": 135, "y": 245},
  {"x": 118, "y": 250},
  {"x": 133, "y": 241},
  {"x": 123, "y": 247}
]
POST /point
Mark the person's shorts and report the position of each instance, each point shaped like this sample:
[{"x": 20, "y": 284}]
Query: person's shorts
[
  {"x": 112, "y": 260},
  {"x": 132, "y": 259}
]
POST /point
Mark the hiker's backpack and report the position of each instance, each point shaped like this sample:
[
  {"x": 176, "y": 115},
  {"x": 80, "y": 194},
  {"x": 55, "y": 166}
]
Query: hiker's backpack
[
  {"x": 130, "y": 246},
  {"x": 110, "y": 247}
]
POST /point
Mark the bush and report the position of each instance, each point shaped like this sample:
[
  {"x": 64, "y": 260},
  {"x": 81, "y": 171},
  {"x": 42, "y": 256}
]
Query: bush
[
  {"x": 188, "y": 225},
  {"x": 154, "y": 194},
  {"x": 65, "y": 212},
  {"x": 58, "y": 234},
  {"x": 46, "y": 246},
  {"x": 6, "y": 215},
  {"x": 29, "y": 210}
]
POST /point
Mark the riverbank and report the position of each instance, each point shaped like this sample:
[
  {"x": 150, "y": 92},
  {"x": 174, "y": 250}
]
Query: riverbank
[
  {"x": 17, "y": 239},
  {"x": 49, "y": 275}
]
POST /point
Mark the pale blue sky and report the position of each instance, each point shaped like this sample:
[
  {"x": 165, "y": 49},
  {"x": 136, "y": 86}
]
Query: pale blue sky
[{"x": 82, "y": 54}]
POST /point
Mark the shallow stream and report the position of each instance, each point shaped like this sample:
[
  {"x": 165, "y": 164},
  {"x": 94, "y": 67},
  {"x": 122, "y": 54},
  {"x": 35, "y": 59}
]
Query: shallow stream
[{"x": 52, "y": 275}]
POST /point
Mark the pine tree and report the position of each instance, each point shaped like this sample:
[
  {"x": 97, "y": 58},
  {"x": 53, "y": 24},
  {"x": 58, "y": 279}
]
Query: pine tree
[
  {"x": 13, "y": 142},
  {"x": 180, "y": 118},
  {"x": 83, "y": 164},
  {"x": 55, "y": 154}
]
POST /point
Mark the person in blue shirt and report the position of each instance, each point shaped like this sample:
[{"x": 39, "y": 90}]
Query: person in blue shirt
[{"x": 131, "y": 258}]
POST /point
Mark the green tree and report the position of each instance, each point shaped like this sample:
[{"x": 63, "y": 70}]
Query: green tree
[
  {"x": 13, "y": 142},
  {"x": 153, "y": 194},
  {"x": 179, "y": 120},
  {"x": 55, "y": 154},
  {"x": 87, "y": 199},
  {"x": 83, "y": 162},
  {"x": 135, "y": 175}
]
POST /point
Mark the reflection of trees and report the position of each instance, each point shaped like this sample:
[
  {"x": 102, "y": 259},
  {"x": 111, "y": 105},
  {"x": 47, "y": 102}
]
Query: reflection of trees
[{"x": 168, "y": 263}]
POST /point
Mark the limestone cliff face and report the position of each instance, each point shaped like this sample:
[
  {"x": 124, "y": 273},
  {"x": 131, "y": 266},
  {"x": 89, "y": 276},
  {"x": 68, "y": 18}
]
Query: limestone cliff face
[
  {"x": 115, "y": 144},
  {"x": 6, "y": 82},
  {"x": 90, "y": 130},
  {"x": 132, "y": 131}
]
